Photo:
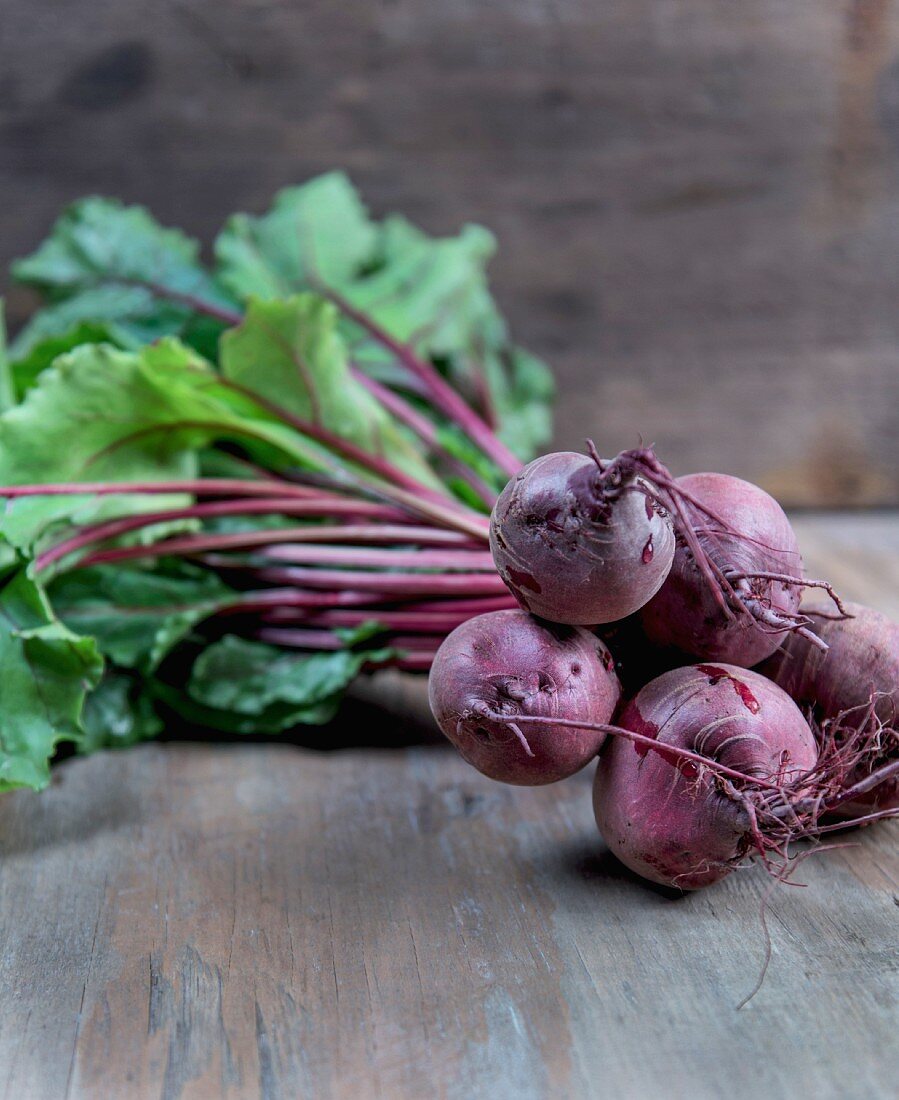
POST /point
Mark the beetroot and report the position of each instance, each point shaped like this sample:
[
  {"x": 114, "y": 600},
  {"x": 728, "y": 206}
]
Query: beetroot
[
  {"x": 754, "y": 554},
  {"x": 511, "y": 664},
  {"x": 676, "y": 822},
  {"x": 854, "y": 690},
  {"x": 581, "y": 540}
]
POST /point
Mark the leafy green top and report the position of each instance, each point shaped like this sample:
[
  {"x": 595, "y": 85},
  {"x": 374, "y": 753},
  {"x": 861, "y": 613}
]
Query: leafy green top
[{"x": 146, "y": 366}]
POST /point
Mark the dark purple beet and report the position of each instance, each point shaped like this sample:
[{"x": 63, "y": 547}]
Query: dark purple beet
[
  {"x": 687, "y": 613},
  {"x": 575, "y": 547},
  {"x": 655, "y": 811},
  {"x": 860, "y": 667},
  {"x": 510, "y": 663}
]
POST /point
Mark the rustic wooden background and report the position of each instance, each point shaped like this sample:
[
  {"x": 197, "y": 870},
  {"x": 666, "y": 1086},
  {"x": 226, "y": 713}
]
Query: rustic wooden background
[{"x": 697, "y": 200}]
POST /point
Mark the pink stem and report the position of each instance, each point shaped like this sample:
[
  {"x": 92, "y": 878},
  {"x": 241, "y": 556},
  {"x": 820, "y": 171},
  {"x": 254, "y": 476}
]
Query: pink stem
[
  {"x": 189, "y": 301},
  {"x": 425, "y": 430},
  {"x": 467, "y": 560},
  {"x": 329, "y": 640},
  {"x": 404, "y": 535},
  {"x": 208, "y": 486},
  {"x": 445, "y": 397},
  {"x": 413, "y": 621},
  {"x": 289, "y": 506},
  {"x": 403, "y": 584},
  {"x": 239, "y": 540},
  {"x": 288, "y": 598}
]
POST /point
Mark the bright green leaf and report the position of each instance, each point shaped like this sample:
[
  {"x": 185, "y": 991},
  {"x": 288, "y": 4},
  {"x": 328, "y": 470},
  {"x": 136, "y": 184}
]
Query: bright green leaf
[
  {"x": 42, "y": 354},
  {"x": 317, "y": 231},
  {"x": 101, "y": 414},
  {"x": 117, "y": 714},
  {"x": 267, "y": 690},
  {"x": 105, "y": 263},
  {"x": 46, "y": 672},
  {"x": 138, "y": 615},
  {"x": 290, "y": 353}
]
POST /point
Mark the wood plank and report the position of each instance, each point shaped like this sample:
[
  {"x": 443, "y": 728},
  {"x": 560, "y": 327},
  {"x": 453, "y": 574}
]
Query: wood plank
[
  {"x": 187, "y": 920},
  {"x": 696, "y": 202}
]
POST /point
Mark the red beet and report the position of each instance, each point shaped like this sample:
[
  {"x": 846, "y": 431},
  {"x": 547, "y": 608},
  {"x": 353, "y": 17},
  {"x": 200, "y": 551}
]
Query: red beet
[
  {"x": 860, "y": 668},
  {"x": 687, "y": 614},
  {"x": 511, "y": 664},
  {"x": 668, "y": 818},
  {"x": 578, "y": 541}
]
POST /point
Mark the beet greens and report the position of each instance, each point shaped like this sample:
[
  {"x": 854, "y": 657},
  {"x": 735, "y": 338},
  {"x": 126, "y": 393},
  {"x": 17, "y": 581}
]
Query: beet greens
[{"x": 285, "y": 461}]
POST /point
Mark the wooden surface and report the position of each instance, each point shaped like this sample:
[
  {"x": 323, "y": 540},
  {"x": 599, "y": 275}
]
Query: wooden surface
[
  {"x": 697, "y": 201},
  {"x": 204, "y": 921}
]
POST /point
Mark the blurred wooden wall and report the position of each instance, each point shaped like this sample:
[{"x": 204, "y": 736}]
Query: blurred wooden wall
[{"x": 697, "y": 200}]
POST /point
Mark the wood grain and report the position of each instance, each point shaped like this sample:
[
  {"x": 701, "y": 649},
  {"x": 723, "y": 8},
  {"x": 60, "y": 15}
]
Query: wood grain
[
  {"x": 203, "y": 921},
  {"x": 697, "y": 203}
]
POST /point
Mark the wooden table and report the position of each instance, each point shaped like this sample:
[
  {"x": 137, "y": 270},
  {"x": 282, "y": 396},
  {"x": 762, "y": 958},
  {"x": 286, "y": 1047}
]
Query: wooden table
[{"x": 240, "y": 920}]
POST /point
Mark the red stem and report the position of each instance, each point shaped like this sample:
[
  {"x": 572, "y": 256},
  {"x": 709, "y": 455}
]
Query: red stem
[
  {"x": 443, "y": 394},
  {"x": 99, "y": 532},
  {"x": 425, "y": 430},
  {"x": 414, "y": 621},
  {"x": 289, "y": 598},
  {"x": 467, "y": 560},
  {"x": 474, "y": 525},
  {"x": 328, "y": 639},
  {"x": 190, "y": 301},
  {"x": 401, "y": 584},
  {"x": 207, "y": 486}
]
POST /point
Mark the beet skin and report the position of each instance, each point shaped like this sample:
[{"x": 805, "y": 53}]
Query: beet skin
[
  {"x": 511, "y": 663},
  {"x": 575, "y": 548},
  {"x": 862, "y": 661},
  {"x": 657, "y": 814},
  {"x": 685, "y": 615}
]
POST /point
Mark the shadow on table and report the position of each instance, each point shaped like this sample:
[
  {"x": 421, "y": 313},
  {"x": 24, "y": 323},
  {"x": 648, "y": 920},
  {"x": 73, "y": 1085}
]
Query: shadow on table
[
  {"x": 384, "y": 711},
  {"x": 67, "y": 813},
  {"x": 592, "y": 864},
  {"x": 360, "y": 725}
]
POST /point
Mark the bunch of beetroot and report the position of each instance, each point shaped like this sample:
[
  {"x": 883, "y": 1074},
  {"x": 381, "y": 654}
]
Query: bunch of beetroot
[{"x": 676, "y": 588}]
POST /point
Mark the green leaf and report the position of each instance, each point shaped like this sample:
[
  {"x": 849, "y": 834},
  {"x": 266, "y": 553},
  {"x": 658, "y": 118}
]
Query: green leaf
[
  {"x": 430, "y": 293},
  {"x": 522, "y": 391},
  {"x": 290, "y": 353},
  {"x": 7, "y": 389},
  {"x": 9, "y": 560},
  {"x": 112, "y": 264},
  {"x": 101, "y": 414},
  {"x": 138, "y": 615},
  {"x": 317, "y": 231},
  {"x": 46, "y": 672},
  {"x": 256, "y": 688},
  {"x": 117, "y": 714},
  {"x": 43, "y": 353},
  {"x": 73, "y": 425}
]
